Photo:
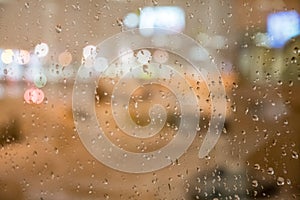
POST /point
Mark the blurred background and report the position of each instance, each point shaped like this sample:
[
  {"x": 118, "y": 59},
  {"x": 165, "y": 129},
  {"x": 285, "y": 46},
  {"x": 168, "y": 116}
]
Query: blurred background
[{"x": 255, "y": 45}]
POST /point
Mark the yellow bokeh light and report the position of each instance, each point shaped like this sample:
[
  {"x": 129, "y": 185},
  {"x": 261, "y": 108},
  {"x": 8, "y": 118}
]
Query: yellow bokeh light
[
  {"x": 65, "y": 58},
  {"x": 7, "y": 56}
]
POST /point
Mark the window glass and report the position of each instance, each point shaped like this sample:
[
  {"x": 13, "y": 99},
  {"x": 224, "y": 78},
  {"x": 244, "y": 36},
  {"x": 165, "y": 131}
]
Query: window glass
[{"x": 160, "y": 99}]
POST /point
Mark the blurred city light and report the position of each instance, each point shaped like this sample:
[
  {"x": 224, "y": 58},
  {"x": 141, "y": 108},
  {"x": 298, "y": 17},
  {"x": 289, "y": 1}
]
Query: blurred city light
[
  {"x": 282, "y": 26},
  {"x": 164, "y": 17}
]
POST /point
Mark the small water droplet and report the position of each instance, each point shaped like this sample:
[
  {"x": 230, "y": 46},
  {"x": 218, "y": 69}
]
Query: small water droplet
[
  {"x": 96, "y": 17},
  {"x": 58, "y": 28},
  {"x": 257, "y": 166},
  {"x": 154, "y": 2},
  {"x": 233, "y": 108},
  {"x": 105, "y": 181},
  {"x": 120, "y": 22},
  {"x": 106, "y": 196},
  {"x": 26, "y": 5},
  {"x": 255, "y": 118},
  {"x": 254, "y": 183},
  {"x": 270, "y": 171},
  {"x": 280, "y": 181},
  {"x": 295, "y": 155},
  {"x": 293, "y": 60}
]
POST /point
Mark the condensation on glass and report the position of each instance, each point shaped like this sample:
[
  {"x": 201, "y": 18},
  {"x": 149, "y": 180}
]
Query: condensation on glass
[{"x": 153, "y": 99}]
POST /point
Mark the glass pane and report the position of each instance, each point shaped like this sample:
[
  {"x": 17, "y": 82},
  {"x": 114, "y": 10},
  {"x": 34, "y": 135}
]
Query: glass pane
[{"x": 160, "y": 99}]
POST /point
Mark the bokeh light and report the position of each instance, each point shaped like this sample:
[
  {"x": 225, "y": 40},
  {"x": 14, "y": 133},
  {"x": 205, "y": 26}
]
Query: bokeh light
[
  {"x": 22, "y": 57},
  {"x": 65, "y": 58},
  {"x": 164, "y": 17},
  {"x": 88, "y": 51},
  {"x": 127, "y": 56},
  {"x": 7, "y": 56},
  {"x": 161, "y": 56},
  {"x": 144, "y": 56},
  {"x": 40, "y": 80},
  {"x": 34, "y": 95},
  {"x": 41, "y": 50},
  {"x": 131, "y": 20}
]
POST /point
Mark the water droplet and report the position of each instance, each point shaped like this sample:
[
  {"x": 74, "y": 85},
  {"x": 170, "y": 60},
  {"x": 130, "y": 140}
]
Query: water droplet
[
  {"x": 293, "y": 60},
  {"x": 295, "y": 155},
  {"x": 106, "y": 196},
  {"x": 120, "y": 22},
  {"x": 270, "y": 171},
  {"x": 255, "y": 118},
  {"x": 155, "y": 2},
  {"x": 257, "y": 166},
  {"x": 58, "y": 28},
  {"x": 26, "y": 5},
  {"x": 233, "y": 108},
  {"x": 82, "y": 118},
  {"x": 280, "y": 181},
  {"x": 254, "y": 183},
  {"x": 105, "y": 181}
]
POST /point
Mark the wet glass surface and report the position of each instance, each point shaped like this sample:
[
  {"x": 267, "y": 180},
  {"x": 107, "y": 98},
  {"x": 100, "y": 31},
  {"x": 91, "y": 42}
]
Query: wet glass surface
[{"x": 161, "y": 99}]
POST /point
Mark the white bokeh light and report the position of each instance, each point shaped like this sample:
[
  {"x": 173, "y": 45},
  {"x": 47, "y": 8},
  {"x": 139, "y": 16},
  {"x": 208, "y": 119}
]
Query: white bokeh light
[
  {"x": 131, "y": 20},
  {"x": 41, "y": 50}
]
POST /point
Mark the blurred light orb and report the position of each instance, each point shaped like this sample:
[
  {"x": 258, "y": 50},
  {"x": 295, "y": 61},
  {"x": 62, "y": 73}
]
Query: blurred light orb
[
  {"x": 100, "y": 64},
  {"x": 163, "y": 17},
  {"x": 282, "y": 26},
  {"x": 41, "y": 50},
  {"x": 218, "y": 42},
  {"x": 7, "y": 56},
  {"x": 131, "y": 20},
  {"x": 262, "y": 40},
  {"x": 65, "y": 58},
  {"x": 127, "y": 56},
  {"x": 40, "y": 80},
  {"x": 144, "y": 56},
  {"x": 34, "y": 95},
  {"x": 199, "y": 54},
  {"x": 22, "y": 57},
  {"x": 89, "y": 51},
  {"x": 203, "y": 39},
  {"x": 161, "y": 56}
]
